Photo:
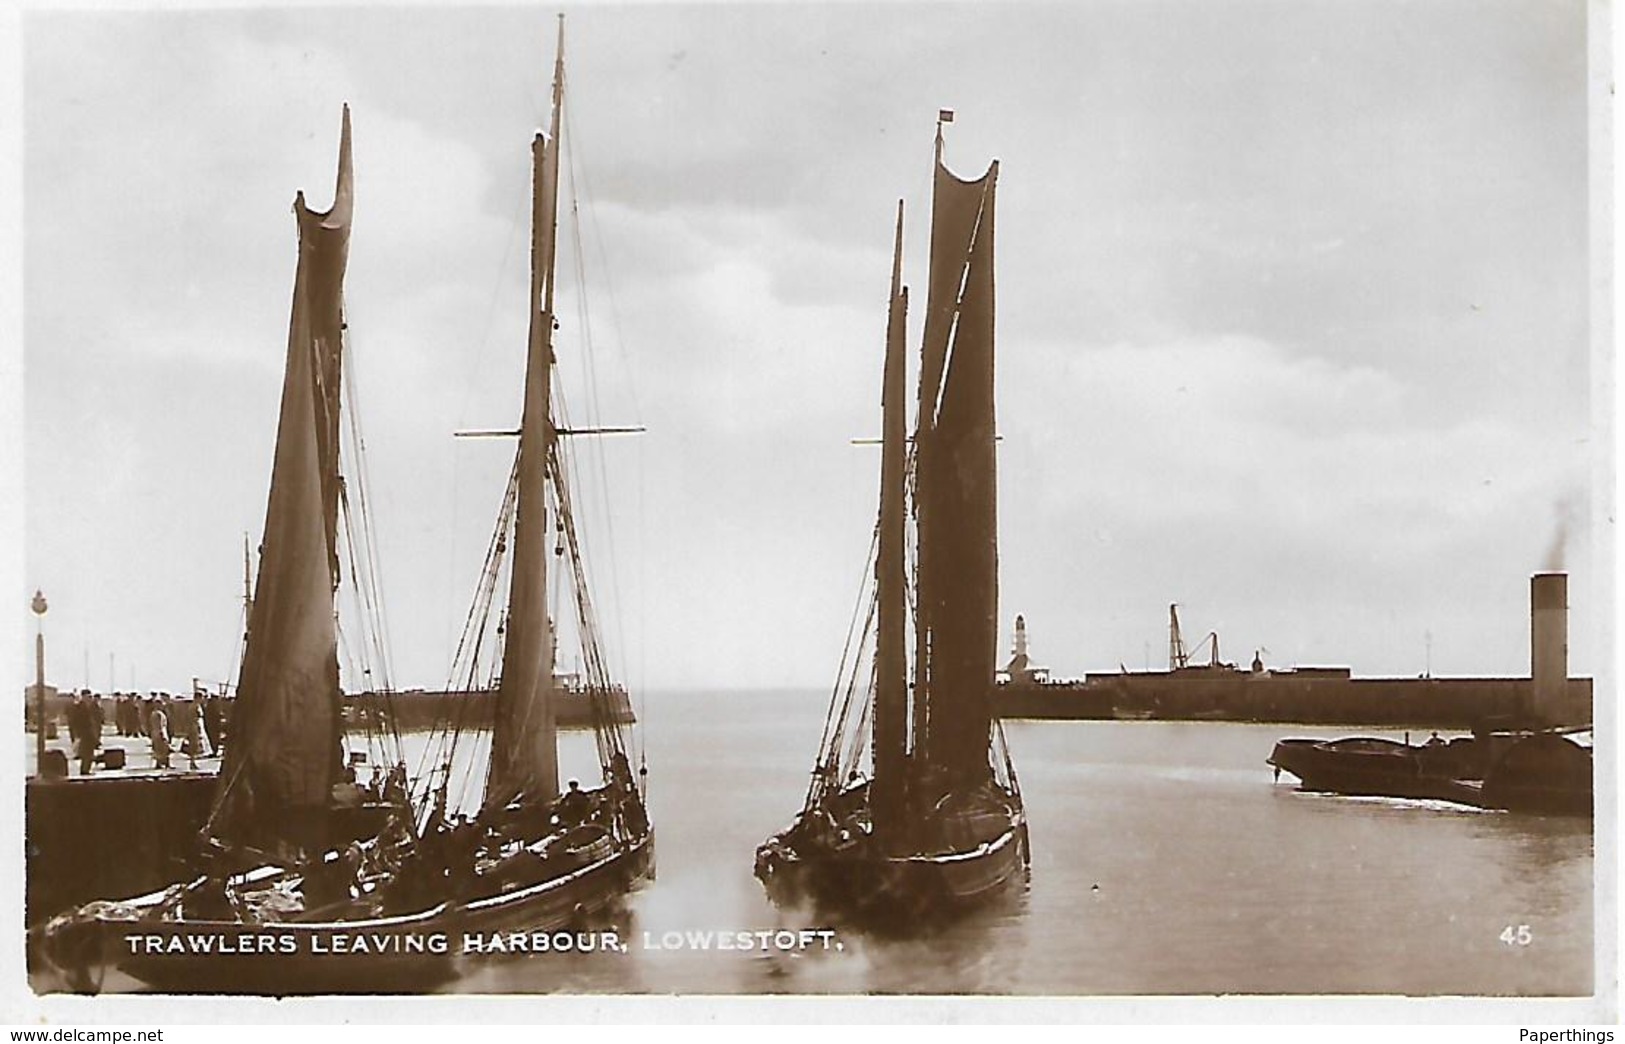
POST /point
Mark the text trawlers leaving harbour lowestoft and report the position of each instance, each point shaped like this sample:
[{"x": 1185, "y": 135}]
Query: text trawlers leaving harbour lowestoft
[{"x": 361, "y": 943}]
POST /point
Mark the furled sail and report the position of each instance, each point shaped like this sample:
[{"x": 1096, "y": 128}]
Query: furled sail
[
  {"x": 285, "y": 755},
  {"x": 955, "y": 484},
  {"x": 524, "y": 743}
]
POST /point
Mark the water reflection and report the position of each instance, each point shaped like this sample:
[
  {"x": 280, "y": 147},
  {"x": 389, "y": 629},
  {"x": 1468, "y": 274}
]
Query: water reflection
[{"x": 1165, "y": 861}]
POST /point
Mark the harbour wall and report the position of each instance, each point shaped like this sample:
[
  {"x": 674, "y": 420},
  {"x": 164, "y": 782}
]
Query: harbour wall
[
  {"x": 1304, "y": 697},
  {"x": 109, "y": 837},
  {"x": 422, "y": 709}
]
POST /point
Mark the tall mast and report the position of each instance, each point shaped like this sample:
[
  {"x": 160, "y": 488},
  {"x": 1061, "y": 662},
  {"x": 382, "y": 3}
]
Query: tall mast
[
  {"x": 556, "y": 131},
  {"x": 933, "y": 353},
  {"x": 891, "y": 663},
  {"x": 524, "y": 754}
]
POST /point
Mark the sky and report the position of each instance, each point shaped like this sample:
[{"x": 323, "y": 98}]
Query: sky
[{"x": 1295, "y": 318}]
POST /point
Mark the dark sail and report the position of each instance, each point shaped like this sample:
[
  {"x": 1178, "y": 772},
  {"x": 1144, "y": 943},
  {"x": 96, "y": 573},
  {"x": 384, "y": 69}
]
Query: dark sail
[
  {"x": 524, "y": 742},
  {"x": 891, "y": 577},
  {"x": 284, "y": 755},
  {"x": 956, "y": 488}
]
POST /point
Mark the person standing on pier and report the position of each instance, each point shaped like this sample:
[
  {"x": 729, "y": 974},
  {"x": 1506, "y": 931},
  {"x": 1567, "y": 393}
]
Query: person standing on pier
[
  {"x": 188, "y": 712},
  {"x": 212, "y": 720},
  {"x": 82, "y": 731},
  {"x": 158, "y": 732}
]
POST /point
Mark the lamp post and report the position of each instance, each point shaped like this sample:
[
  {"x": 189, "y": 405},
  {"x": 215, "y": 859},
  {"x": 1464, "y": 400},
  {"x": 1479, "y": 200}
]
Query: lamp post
[{"x": 39, "y": 608}]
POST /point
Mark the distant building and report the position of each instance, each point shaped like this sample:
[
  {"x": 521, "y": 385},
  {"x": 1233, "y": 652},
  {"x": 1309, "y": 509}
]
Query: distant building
[{"x": 1020, "y": 669}]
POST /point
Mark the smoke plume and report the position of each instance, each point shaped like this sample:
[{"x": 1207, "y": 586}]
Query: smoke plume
[{"x": 1567, "y": 513}]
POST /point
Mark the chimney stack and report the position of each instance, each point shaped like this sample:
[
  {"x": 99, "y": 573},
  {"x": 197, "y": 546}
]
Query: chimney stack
[{"x": 1549, "y": 648}]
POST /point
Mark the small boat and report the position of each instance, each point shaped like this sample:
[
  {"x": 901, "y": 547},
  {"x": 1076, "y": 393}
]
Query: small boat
[
  {"x": 311, "y": 882},
  {"x": 932, "y": 822}
]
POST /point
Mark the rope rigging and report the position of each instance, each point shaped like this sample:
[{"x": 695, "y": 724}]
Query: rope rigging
[
  {"x": 579, "y": 188},
  {"x": 370, "y": 662},
  {"x": 465, "y": 677},
  {"x": 827, "y": 769},
  {"x": 445, "y": 766}
]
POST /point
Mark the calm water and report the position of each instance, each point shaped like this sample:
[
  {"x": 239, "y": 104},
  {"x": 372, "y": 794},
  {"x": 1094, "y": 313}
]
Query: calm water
[{"x": 1164, "y": 861}]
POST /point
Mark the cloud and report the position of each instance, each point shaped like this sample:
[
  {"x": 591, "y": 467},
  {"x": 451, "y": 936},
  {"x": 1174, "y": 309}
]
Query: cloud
[
  {"x": 1291, "y": 305},
  {"x": 1279, "y": 493}
]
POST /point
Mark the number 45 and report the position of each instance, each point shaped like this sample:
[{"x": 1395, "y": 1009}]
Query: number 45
[{"x": 1519, "y": 936}]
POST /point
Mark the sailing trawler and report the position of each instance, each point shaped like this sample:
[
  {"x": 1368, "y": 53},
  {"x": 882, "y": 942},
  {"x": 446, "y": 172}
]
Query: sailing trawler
[
  {"x": 531, "y": 857},
  {"x": 937, "y": 822},
  {"x": 310, "y": 882},
  {"x": 287, "y": 833}
]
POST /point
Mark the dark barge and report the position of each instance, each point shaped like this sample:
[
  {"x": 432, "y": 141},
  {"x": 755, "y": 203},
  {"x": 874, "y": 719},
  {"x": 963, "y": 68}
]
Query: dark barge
[{"x": 1548, "y": 773}]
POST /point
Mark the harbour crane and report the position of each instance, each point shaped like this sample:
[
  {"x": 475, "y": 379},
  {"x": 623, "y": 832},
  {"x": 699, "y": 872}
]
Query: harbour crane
[{"x": 1178, "y": 656}]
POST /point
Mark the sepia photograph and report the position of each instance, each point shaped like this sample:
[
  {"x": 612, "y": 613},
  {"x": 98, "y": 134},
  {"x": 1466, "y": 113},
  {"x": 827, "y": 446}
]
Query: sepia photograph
[{"x": 1032, "y": 504}]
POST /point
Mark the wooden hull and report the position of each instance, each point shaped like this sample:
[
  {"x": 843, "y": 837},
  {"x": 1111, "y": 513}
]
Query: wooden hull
[
  {"x": 396, "y": 954},
  {"x": 895, "y": 890}
]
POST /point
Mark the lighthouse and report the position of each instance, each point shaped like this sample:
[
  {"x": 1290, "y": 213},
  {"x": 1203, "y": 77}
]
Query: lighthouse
[{"x": 1020, "y": 668}]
